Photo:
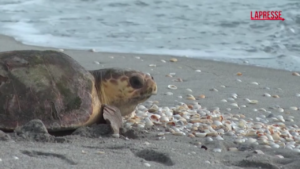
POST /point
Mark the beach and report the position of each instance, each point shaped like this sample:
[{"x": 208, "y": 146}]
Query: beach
[{"x": 251, "y": 93}]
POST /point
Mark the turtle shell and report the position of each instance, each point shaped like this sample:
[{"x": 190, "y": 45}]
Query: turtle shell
[{"x": 45, "y": 85}]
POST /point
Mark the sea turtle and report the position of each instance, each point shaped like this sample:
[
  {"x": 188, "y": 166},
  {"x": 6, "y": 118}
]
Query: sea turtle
[{"x": 51, "y": 86}]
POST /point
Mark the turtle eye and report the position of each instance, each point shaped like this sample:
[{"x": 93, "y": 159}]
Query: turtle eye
[{"x": 136, "y": 82}]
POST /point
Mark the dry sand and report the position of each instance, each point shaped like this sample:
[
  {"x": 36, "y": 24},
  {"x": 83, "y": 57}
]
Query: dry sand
[{"x": 173, "y": 151}]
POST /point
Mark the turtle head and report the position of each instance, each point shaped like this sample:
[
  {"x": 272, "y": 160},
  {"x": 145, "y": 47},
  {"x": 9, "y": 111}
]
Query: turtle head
[{"x": 124, "y": 89}]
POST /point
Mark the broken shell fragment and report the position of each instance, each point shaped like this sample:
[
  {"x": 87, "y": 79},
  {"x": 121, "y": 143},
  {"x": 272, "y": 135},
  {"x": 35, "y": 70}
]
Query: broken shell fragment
[
  {"x": 190, "y": 97},
  {"x": 295, "y": 74},
  {"x": 152, "y": 65},
  {"x": 172, "y": 87},
  {"x": 173, "y": 60},
  {"x": 239, "y": 74}
]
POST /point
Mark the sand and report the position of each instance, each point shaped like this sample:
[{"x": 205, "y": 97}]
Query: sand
[{"x": 76, "y": 151}]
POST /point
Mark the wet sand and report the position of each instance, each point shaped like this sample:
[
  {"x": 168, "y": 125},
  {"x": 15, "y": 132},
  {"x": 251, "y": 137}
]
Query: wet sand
[{"x": 173, "y": 151}]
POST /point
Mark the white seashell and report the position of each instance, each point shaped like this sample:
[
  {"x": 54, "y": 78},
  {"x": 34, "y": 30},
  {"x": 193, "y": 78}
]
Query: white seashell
[
  {"x": 223, "y": 86},
  {"x": 243, "y": 106},
  {"x": 163, "y": 61},
  {"x": 164, "y": 119},
  {"x": 255, "y": 110},
  {"x": 239, "y": 80},
  {"x": 217, "y": 150},
  {"x": 267, "y": 95},
  {"x": 141, "y": 126},
  {"x": 294, "y": 108},
  {"x": 189, "y": 90},
  {"x": 274, "y": 145},
  {"x": 239, "y": 140},
  {"x": 116, "y": 135},
  {"x": 218, "y": 137},
  {"x": 137, "y": 57},
  {"x": 233, "y": 149},
  {"x": 198, "y": 134},
  {"x": 209, "y": 139},
  {"x": 148, "y": 123},
  {"x": 224, "y": 100},
  {"x": 217, "y": 123},
  {"x": 234, "y": 104},
  {"x": 251, "y": 140},
  {"x": 172, "y": 87},
  {"x": 255, "y": 83},
  {"x": 252, "y": 101},
  {"x": 234, "y": 95},
  {"x": 231, "y": 99},
  {"x": 152, "y": 65},
  {"x": 97, "y": 63},
  {"x": 213, "y": 89},
  {"x": 198, "y": 71},
  {"x": 61, "y": 50},
  {"x": 92, "y": 50},
  {"x": 281, "y": 110},
  {"x": 169, "y": 93},
  {"x": 147, "y": 164}
]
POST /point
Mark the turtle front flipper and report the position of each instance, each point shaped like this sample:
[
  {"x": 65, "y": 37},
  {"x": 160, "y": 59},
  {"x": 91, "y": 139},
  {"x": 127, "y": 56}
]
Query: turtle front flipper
[{"x": 113, "y": 115}]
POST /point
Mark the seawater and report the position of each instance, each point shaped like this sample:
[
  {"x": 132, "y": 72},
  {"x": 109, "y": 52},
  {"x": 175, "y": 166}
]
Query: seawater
[{"x": 211, "y": 29}]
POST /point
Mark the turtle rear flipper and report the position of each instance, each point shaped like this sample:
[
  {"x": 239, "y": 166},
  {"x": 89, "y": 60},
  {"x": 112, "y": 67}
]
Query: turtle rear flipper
[{"x": 113, "y": 115}]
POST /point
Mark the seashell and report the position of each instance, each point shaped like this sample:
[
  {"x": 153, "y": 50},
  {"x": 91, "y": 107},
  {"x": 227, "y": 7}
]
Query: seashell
[
  {"x": 191, "y": 135},
  {"x": 231, "y": 99},
  {"x": 97, "y": 63},
  {"x": 213, "y": 89},
  {"x": 152, "y": 65},
  {"x": 155, "y": 117},
  {"x": 223, "y": 86},
  {"x": 190, "y": 97},
  {"x": 160, "y": 134},
  {"x": 137, "y": 57},
  {"x": 234, "y": 95},
  {"x": 251, "y": 140},
  {"x": 147, "y": 164},
  {"x": 234, "y": 104},
  {"x": 266, "y": 95},
  {"x": 92, "y": 50},
  {"x": 243, "y": 106},
  {"x": 153, "y": 108},
  {"x": 172, "y": 87},
  {"x": 239, "y": 80},
  {"x": 234, "y": 149},
  {"x": 164, "y": 119},
  {"x": 218, "y": 137},
  {"x": 198, "y": 70},
  {"x": 295, "y": 74},
  {"x": 275, "y": 96},
  {"x": 217, "y": 150},
  {"x": 198, "y": 134},
  {"x": 258, "y": 152},
  {"x": 189, "y": 90},
  {"x": 209, "y": 139},
  {"x": 177, "y": 80},
  {"x": 239, "y": 140},
  {"x": 148, "y": 123},
  {"x": 224, "y": 100},
  {"x": 294, "y": 108},
  {"x": 163, "y": 61},
  {"x": 239, "y": 74},
  {"x": 202, "y": 96},
  {"x": 252, "y": 101},
  {"x": 169, "y": 93},
  {"x": 279, "y": 156},
  {"x": 281, "y": 110},
  {"x": 61, "y": 50},
  {"x": 173, "y": 60},
  {"x": 179, "y": 133},
  {"x": 141, "y": 126},
  {"x": 255, "y": 83}
]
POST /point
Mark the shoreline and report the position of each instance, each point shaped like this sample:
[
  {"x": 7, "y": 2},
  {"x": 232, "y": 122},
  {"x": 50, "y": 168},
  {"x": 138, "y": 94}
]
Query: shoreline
[
  {"x": 277, "y": 63},
  {"x": 236, "y": 92}
]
